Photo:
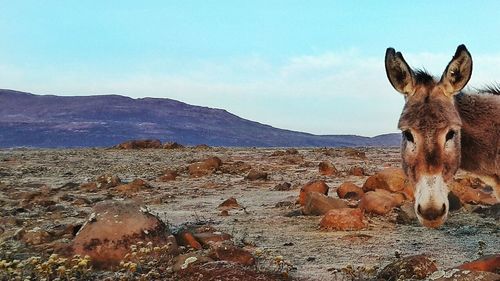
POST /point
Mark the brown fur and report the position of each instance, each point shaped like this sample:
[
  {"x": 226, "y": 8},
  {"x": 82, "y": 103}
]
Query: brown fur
[
  {"x": 444, "y": 130},
  {"x": 480, "y": 115}
]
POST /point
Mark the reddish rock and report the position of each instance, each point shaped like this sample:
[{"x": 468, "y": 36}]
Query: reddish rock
[
  {"x": 319, "y": 204},
  {"x": 256, "y": 175},
  {"x": 224, "y": 213},
  {"x": 411, "y": 267},
  {"x": 326, "y": 168},
  {"x": 230, "y": 203},
  {"x": 113, "y": 227},
  {"x": 229, "y": 252},
  {"x": 312, "y": 186},
  {"x": 390, "y": 179},
  {"x": 348, "y": 190},
  {"x": 139, "y": 144},
  {"x": 172, "y": 145},
  {"x": 168, "y": 175},
  {"x": 206, "y": 167},
  {"x": 209, "y": 238},
  {"x": 356, "y": 171},
  {"x": 35, "y": 236},
  {"x": 380, "y": 202},
  {"x": 343, "y": 219},
  {"x": 189, "y": 240},
  {"x": 489, "y": 263},
  {"x": 470, "y": 192},
  {"x": 133, "y": 187}
]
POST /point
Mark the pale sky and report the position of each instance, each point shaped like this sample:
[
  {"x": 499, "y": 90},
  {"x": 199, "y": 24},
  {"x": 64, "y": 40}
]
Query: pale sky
[{"x": 312, "y": 66}]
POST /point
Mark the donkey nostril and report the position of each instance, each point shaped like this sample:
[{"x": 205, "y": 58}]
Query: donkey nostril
[
  {"x": 443, "y": 209},
  {"x": 419, "y": 209}
]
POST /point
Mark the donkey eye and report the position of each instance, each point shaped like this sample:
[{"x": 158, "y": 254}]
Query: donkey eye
[
  {"x": 450, "y": 135},
  {"x": 408, "y": 136}
]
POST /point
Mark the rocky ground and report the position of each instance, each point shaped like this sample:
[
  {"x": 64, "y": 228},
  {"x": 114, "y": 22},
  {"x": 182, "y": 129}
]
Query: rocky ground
[{"x": 47, "y": 195}]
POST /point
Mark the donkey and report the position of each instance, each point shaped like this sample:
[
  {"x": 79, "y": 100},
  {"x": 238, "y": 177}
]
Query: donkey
[{"x": 445, "y": 129}]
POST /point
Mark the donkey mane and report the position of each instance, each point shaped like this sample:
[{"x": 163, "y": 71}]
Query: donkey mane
[
  {"x": 493, "y": 89},
  {"x": 423, "y": 77}
]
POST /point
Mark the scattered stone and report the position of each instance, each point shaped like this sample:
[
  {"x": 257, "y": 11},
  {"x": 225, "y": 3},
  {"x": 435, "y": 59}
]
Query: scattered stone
[
  {"x": 209, "y": 238},
  {"x": 284, "y": 186},
  {"x": 348, "y": 190},
  {"x": 237, "y": 167},
  {"x": 113, "y": 227},
  {"x": 343, "y": 219},
  {"x": 312, "y": 186},
  {"x": 206, "y": 167},
  {"x": 89, "y": 186},
  {"x": 319, "y": 204},
  {"x": 168, "y": 175},
  {"x": 380, "y": 201},
  {"x": 257, "y": 175},
  {"x": 230, "y": 203},
  {"x": 411, "y": 267},
  {"x": 133, "y": 187},
  {"x": 326, "y": 168},
  {"x": 189, "y": 240},
  {"x": 356, "y": 171},
  {"x": 291, "y": 151},
  {"x": 172, "y": 145},
  {"x": 489, "y": 263},
  {"x": 229, "y": 252},
  {"x": 139, "y": 144},
  {"x": 391, "y": 179}
]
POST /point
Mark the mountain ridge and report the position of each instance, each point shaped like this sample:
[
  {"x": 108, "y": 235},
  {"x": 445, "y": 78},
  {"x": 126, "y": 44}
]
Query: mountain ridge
[{"x": 27, "y": 119}]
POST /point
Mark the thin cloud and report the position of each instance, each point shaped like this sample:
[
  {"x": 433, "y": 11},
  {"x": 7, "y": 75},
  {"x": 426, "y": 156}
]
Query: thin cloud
[{"x": 328, "y": 93}]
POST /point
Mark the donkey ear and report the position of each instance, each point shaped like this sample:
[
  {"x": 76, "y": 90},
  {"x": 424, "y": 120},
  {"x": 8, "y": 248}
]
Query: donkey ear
[
  {"x": 458, "y": 72},
  {"x": 399, "y": 73}
]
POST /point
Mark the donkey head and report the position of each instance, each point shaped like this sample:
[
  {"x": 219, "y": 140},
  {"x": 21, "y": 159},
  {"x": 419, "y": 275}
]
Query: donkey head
[{"x": 431, "y": 125}]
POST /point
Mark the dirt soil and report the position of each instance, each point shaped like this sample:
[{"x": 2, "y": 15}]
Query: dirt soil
[{"x": 267, "y": 219}]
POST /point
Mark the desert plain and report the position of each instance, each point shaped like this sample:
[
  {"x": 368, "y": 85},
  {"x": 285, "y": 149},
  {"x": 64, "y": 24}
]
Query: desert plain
[{"x": 47, "y": 195}]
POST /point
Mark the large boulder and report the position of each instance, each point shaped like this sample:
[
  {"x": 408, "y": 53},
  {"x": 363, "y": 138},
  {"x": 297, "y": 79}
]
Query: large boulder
[
  {"x": 205, "y": 167},
  {"x": 312, "y": 186},
  {"x": 115, "y": 226},
  {"x": 343, "y": 219},
  {"x": 391, "y": 179},
  {"x": 319, "y": 204}
]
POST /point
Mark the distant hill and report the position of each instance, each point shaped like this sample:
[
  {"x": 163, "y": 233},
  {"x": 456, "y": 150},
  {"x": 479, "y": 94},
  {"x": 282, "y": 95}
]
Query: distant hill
[{"x": 100, "y": 121}]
